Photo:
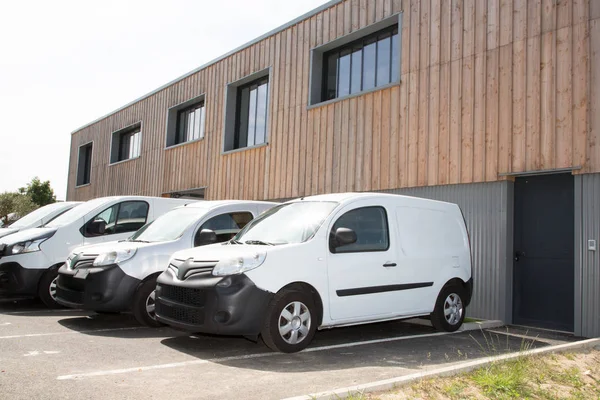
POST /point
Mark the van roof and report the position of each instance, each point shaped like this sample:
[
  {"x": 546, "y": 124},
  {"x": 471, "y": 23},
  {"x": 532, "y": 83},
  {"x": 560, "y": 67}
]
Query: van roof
[
  {"x": 349, "y": 196},
  {"x": 210, "y": 204},
  {"x": 109, "y": 198}
]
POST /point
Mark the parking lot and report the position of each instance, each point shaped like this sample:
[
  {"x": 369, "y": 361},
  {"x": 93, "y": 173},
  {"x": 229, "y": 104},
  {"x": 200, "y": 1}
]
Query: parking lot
[{"x": 75, "y": 354}]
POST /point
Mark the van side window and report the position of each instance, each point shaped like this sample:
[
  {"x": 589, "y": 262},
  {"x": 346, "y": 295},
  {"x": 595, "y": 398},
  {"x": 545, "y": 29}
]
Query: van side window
[
  {"x": 128, "y": 216},
  {"x": 132, "y": 216},
  {"x": 371, "y": 228},
  {"x": 108, "y": 216},
  {"x": 226, "y": 226}
]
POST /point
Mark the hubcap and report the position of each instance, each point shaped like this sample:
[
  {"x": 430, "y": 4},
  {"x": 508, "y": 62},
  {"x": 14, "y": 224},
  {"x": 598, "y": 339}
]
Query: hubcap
[
  {"x": 151, "y": 305},
  {"x": 294, "y": 322},
  {"x": 52, "y": 288},
  {"x": 453, "y": 309}
]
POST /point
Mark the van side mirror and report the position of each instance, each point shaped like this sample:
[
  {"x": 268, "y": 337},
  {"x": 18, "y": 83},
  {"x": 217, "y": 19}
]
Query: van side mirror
[
  {"x": 205, "y": 236},
  {"x": 96, "y": 228},
  {"x": 342, "y": 237}
]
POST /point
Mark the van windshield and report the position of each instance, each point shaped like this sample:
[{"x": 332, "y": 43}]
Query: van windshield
[
  {"x": 37, "y": 215},
  {"x": 169, "y": 226},
  {"x": 76, "y": 213},
  {"x": 288, "y": 223}
]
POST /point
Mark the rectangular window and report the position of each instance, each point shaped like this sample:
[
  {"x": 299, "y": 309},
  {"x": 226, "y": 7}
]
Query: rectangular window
[
  {"x": 364, "y": 64},
  {"x": 370, "y": 226},
  {"x": 251, "y": 126},
  {"x": 226, "y": 226},
  {"x": 190, "y": 124},
  {"x": 84, "y": 165},
  {"x": 126, "y": 143}
]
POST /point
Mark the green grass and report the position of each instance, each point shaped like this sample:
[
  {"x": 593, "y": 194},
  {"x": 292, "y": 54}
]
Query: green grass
[
  {"x": 506, "y": 380},
  {"x": 455, "y": 389}
]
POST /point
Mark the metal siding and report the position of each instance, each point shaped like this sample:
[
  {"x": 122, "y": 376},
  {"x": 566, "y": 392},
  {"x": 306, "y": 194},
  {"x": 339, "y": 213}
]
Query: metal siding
[
  {"x": 590, "y": 260},
  {"x": 488, "y": 214}
]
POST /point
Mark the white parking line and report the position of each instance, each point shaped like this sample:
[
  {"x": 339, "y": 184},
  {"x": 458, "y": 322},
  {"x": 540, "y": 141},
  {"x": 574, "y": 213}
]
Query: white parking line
[
  {"x": 73, "y": 332},
  {"x": 5, "y": 324},
  {"x": 243, "y": 357}
]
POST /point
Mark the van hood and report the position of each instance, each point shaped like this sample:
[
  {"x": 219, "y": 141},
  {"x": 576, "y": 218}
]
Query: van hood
[
  {"x": 7, "y": 231},
  {"x": 102, "y": 248},
  {"x": 219, "y": 251},
  {"x": 28, "y": 234}
]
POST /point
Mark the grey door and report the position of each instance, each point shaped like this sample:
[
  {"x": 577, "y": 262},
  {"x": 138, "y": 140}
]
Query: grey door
[{"x": 544, "y": 252}]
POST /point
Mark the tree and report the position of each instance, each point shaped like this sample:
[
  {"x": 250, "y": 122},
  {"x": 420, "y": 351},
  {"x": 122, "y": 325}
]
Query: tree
[
  {"x": 40, "y": 192},
  {"x": 15, "y": 203}
]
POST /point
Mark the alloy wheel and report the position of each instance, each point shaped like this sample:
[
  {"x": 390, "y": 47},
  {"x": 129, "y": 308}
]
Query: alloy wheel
[
  {"x": 453, "y": 309},
  {"x": 151, "y": 305},
  {"x": 294, "y": 322}
]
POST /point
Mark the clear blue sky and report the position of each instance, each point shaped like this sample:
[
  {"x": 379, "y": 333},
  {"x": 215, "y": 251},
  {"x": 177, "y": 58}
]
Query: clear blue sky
[{"x": 66, "y": 63}]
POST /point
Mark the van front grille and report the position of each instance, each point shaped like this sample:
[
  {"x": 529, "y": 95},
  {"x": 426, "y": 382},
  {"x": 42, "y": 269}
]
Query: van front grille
[
  {"x": 182, "y": 295},
  {"x": 184, "y": 315}
]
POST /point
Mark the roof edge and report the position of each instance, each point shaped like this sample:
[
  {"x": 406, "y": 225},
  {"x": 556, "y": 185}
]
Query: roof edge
[{"x": 216, "y": 60}]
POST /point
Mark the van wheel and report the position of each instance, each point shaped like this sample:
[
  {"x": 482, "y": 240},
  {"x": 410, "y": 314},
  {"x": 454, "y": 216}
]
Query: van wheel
[
  {"x": 291, "y": 321},
  {"x": 47, "y": 288},
  {"x": 144, "y": 303},
  {"x": 449, "y": 312}
]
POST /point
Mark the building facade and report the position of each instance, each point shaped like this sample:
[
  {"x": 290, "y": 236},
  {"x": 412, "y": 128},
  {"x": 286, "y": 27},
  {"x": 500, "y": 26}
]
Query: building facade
[{"x": 492, "y": 104}]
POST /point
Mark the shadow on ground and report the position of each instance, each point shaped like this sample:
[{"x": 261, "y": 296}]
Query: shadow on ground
[
  {"x": 33, "y": 308},
  {"x": 122, "y": 326},
  {"x": 338, "y": 349}
]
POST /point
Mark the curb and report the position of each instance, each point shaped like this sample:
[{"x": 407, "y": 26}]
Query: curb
[
  {"x": 468, "y": 326},
  {"x": 390, "y": 384}
]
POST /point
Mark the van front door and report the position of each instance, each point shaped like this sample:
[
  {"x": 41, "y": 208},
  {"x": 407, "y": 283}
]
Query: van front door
[{"x": 362, "y": 277}]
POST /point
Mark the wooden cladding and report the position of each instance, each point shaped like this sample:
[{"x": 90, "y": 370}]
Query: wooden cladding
[{"x": 488, "y": 87}]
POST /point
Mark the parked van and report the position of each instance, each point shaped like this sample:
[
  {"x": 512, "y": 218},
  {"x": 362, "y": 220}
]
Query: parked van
[
  {"x": 322, "y": 262},
  {"x": 121, "y": 276},
  {"x": 38, "y": 217},
  {"x": 29, "y": 260}
]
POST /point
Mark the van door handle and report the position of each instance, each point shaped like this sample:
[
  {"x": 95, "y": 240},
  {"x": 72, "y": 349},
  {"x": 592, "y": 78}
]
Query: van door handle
[{"x": 389, "y": 264}]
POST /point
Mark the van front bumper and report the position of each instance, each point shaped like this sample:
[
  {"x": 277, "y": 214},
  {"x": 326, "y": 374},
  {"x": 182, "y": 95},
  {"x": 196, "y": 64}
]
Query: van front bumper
[
  {"x": 231, "y": 305},
  {"x": 17, "y": 281},
  {"x": 97, "y": 289}
]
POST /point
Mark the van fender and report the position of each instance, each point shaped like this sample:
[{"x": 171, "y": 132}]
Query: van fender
[{"x": 449, "y": 274}]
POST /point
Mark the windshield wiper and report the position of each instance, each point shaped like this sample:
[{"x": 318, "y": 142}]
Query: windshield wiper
[
  {"x": 233, "y": 241},
  {"x": 259, "y": 242},
  {"x": 138, "y": 241}
]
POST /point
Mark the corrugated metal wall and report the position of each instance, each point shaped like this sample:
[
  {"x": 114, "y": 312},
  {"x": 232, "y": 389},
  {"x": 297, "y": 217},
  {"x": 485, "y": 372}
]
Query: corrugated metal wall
[
  {"x": 489, "y": 219},
  {"x": 587, "y": 319}
]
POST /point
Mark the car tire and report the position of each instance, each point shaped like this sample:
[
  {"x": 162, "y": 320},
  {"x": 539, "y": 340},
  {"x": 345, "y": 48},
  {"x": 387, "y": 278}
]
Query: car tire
[
  {"x": 144, "y": 303},
  {"x": 291, "y": 321},
  {"x": 449, "y": 312},
  {"x": 47, "y": 288}
]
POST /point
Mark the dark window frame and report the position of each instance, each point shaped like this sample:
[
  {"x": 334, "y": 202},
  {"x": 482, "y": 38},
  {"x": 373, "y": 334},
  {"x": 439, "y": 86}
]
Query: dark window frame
[
  {"x": 255, "y": 84},
  {"x": 122, "y": 138},
  {"x": 352, "y": 47},
  {"x": 181, "y": 131},
  {"x": 86, "y": 169},
  {"x": 333, "y": 250}
]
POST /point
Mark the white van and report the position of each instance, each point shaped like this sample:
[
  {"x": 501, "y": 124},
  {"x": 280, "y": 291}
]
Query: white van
[
  {"x": 121, "y": 276},
  {"x": 38, "y": 217},
  {"x": 29, "y": 260},
  {"x": 322, "y": 262}
]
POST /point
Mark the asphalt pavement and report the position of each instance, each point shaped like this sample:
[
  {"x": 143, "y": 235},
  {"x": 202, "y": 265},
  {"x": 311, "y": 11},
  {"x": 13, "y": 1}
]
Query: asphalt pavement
[{"x": 71, "y": 354}]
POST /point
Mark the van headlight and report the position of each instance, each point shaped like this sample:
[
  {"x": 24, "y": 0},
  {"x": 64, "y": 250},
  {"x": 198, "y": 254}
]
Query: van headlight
[
  {"x": 114, "y": 257},
  {"x": 239, "y": 264},
  {"x": 28, "y": 246}
]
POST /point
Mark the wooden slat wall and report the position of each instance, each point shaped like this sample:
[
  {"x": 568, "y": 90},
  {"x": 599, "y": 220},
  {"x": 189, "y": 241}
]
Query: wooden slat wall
[{"x": 487, "y": 88}]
